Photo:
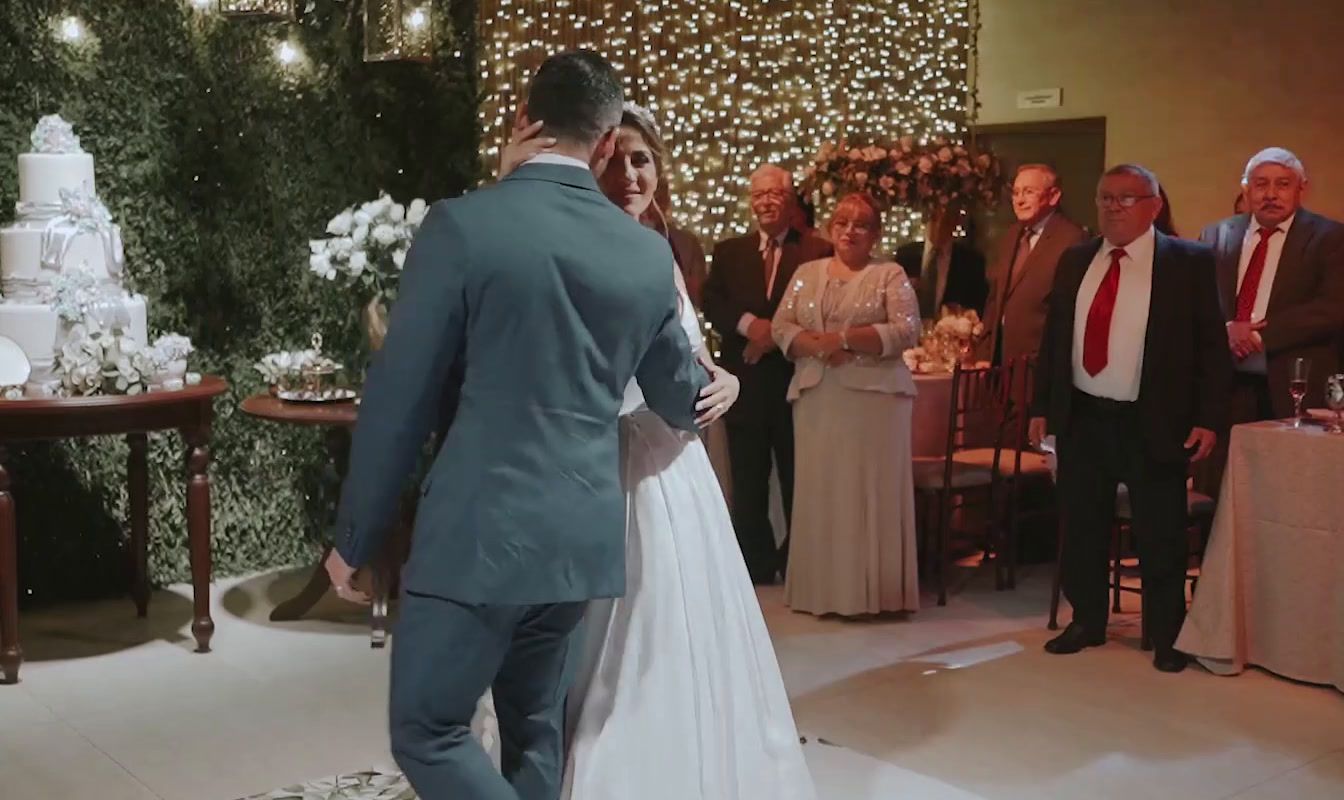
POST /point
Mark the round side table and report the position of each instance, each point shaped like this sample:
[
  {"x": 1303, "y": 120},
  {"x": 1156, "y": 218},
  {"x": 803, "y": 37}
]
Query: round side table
[{"x": 338, "y": 421}]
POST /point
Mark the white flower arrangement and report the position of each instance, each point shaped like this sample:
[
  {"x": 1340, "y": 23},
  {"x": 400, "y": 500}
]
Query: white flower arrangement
[
  {"x": 964, "y": 325},
  {"x": 72, "y": 292},
  {"x": 54, "y": 135},
  {"x": 99, "y": 356},
  {"x": 287, "y": 365},
  {"x": 950, "y": 341},
  {"x": 165, "y": 361},
  {"x": 98, "y": 361},
  {"x": 368, "y": 244}
]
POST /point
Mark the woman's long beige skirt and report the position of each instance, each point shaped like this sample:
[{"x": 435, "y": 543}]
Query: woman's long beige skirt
[{"x": 853, "y": 538}]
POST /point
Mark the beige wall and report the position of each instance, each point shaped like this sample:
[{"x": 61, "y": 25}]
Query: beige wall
[{"x": 1189, "y": 88}]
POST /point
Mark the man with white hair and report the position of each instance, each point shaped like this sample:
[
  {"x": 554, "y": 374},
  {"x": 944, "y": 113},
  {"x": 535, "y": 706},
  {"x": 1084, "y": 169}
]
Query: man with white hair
[
  {"x": 1281, "y": 284},
  {"x": 748, "y": 278}
]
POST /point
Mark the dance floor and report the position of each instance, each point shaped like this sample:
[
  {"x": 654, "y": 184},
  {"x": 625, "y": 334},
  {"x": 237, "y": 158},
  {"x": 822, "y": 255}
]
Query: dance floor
[{"x": 957, "y": 703}]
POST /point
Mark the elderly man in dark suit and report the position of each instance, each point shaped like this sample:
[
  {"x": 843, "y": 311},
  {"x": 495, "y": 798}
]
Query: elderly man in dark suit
[
  {"x": 1133, "y": 381},
  {"x": 1281, "y": 285},
  {"x": 748, "y": 278},
  {"x": 1024, "y": 267}
]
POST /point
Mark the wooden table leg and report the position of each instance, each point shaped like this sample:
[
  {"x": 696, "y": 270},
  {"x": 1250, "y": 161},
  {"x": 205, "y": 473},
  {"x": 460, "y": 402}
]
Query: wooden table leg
[
  {"x": 338, "y": 451},
  {"x": 198, "y": 533},
  {"x": 318, "y": 583},
  {"x": 137, "y": 480},
  {"x": 11, "y": 654}
]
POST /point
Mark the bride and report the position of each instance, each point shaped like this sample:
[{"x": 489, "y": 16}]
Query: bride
[{"x": 678, "y": 693}]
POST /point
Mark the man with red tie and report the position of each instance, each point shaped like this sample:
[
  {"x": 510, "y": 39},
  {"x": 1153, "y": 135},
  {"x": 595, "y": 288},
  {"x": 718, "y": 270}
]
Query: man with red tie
[
  {"x": 1281, "y": 284},
  {"x": 1133, "y": 381},
  {"x": 748, "y": 278}
]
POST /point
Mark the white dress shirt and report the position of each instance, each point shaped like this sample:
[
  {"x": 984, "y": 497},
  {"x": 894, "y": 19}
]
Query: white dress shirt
[
  {"x": 1256, "y": 362},
  {"x": 772, "y": 272},
  {"x": 1129, "y": 322},
  {"x": 556, "y": 158}
]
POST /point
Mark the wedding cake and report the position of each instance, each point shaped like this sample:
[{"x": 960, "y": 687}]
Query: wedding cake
[{"x": 61, "y": 261}]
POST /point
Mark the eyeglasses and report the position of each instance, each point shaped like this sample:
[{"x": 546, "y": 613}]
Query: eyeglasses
[
  {"x": 1028, "y": 191},
  {"x": 853, "y": 225},
  {"x": 769, "y": 194},
  {"x": 1122, "y": 200}
]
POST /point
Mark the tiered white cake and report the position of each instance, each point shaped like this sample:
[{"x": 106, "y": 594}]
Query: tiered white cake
[{"x": 61, "y": 260}]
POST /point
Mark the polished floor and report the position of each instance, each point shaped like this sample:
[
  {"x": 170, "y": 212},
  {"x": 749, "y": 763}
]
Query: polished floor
[{"x": 956, "y": 703}]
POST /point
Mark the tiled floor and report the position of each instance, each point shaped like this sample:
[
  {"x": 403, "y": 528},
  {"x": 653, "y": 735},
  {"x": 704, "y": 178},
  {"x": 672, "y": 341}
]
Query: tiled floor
[{"x": 957, "y": 703}]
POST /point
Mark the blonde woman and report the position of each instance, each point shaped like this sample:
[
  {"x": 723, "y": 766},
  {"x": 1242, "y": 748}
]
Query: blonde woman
[{"x": 845, "y": 323}]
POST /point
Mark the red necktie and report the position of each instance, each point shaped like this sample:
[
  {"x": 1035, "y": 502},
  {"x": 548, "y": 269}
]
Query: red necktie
[
  {"x": 1097, "y": 334},
  {"x": 1250, "y": 282}
]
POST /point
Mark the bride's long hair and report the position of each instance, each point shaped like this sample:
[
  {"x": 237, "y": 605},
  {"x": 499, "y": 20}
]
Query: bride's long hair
[{"x": 640, "y": 120}]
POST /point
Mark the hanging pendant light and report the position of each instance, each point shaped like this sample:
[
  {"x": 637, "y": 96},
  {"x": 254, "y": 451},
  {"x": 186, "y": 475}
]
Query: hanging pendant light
[{"x": 398, "y": 30}]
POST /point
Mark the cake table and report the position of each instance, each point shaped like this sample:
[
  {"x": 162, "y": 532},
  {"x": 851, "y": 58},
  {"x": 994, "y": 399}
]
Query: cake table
[{"x": 189, "y": 410}]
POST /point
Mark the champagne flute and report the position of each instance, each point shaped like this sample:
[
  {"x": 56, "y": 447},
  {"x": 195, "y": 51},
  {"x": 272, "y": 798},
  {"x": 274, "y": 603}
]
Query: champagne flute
[
  {"x": 1334, "y": 399},
  {"x": 1297, "y": 387}
]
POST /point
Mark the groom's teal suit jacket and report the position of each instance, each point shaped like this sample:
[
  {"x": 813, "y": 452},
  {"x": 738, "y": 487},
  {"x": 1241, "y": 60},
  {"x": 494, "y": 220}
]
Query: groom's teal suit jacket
[{"x": 546, "y": 300}]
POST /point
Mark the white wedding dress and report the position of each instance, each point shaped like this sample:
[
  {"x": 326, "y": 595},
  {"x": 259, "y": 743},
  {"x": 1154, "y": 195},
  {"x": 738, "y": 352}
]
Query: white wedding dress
[{"x": 678, "y": 693}]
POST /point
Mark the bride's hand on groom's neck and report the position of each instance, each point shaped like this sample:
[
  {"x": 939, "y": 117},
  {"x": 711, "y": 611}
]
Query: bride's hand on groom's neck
[{"x": 525, "y": 144}]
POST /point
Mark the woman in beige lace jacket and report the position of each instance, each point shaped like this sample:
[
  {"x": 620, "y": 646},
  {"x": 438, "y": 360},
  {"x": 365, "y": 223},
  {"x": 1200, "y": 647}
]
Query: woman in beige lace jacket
[{"x": 845, "y": 323}]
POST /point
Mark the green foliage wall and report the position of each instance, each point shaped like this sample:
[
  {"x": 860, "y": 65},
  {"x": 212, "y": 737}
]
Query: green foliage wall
[{"x": 219, "y": 164}]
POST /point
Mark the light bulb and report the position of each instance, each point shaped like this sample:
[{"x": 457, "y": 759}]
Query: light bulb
[
  {"x": 72, "y": 30},
  {"x": 417, "y": 19},
  {"x": 287, "y": 53}
]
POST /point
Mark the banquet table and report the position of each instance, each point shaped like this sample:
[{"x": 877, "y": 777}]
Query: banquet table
[{"x": 1271, "y": 588}]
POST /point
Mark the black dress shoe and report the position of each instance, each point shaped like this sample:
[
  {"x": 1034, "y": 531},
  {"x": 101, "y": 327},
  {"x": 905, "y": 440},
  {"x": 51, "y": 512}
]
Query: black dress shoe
[
  {"x": 1074, "y": 638},
  {"x": 1170, "y": 660}
]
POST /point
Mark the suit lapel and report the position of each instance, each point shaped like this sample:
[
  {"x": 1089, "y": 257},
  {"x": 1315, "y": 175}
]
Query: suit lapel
[
  {"x": 788, "y": 264},
  {"x": 1293, "y": 254},
  {"x": 753, "y": 281},
  {"x": 1033, "y": 258},
  {"x": 1230, "y": 237},
  {"x": 1157, "y": 306},
  {"x": 1075, "y": 284}
]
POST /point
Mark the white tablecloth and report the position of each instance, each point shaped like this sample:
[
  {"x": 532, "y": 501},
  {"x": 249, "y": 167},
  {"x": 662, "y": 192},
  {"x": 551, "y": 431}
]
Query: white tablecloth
[{"x": 1271, "y": 590}]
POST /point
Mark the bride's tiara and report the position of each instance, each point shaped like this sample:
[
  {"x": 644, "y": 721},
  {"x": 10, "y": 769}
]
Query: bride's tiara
[{"x": 644, "y": 114}]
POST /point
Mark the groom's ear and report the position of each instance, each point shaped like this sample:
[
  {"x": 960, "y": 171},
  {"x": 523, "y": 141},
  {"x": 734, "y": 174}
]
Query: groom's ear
[{"x": 606, "y": 148}]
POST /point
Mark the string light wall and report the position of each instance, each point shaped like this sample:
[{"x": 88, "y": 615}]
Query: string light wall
[{"x": 737, "y": 83}]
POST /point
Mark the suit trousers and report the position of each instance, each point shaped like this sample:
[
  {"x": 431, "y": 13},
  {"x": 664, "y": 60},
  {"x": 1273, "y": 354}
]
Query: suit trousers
[
  {"x": 1103, "y": 447},
  {"x": 1250, "y": 402},
  {"x": 445, "y": 654},
  {"x": 760, "y": 435}
]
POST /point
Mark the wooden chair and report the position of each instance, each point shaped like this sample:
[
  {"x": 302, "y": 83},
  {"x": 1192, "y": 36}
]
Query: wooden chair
[
  {"x": 1015, "y": 463},
  {"x": 980, "y": 401},
  {"x": 1199, "y": 521}
]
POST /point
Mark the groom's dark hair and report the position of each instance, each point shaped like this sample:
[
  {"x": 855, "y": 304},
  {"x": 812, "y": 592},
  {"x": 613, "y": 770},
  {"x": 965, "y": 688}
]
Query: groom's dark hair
[{"x": 578, "y": 95}]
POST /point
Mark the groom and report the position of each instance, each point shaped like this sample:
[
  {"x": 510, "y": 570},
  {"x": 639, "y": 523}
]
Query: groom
[{"x": 550, "y": 300}]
